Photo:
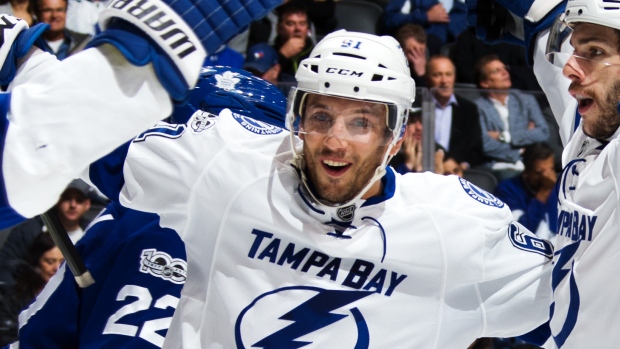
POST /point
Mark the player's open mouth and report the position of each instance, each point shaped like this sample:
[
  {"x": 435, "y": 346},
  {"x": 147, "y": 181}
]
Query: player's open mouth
[
  {"x": 584, "y": 103},
  {"x": 335, "y": 168}
]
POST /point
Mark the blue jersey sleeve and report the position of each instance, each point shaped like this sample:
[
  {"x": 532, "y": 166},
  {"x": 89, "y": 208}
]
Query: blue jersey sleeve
[{"x": 139, "y": 270}]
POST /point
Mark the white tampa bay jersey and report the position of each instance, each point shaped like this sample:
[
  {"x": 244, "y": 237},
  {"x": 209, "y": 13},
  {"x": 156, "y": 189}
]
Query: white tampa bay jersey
[
  {"x": 584, "y": 281},
  {"x": 433, "y": 262}
]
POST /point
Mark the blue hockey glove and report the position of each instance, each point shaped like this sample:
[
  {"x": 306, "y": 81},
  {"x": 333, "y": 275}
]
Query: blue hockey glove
[
  {"x": 513, "y": 21},
  {"x": 16, "y": 40},
  {"x": 175, "y": 35}
]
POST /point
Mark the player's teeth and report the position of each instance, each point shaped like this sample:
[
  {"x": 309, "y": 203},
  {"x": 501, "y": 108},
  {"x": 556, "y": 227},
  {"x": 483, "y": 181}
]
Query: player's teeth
[
  {"x": 580, "y": 97},
  {"x": 334, "y": 163}
]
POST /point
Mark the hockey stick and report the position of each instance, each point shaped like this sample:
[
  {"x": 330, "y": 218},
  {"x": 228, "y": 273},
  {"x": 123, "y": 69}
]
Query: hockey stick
[{"x": 61, "y": 238}]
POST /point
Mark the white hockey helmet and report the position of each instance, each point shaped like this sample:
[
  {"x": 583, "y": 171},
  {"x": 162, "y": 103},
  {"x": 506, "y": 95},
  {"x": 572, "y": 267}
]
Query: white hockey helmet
[
  {"x": 356, "y": 66},
  {"x": 601, "y": 12}
]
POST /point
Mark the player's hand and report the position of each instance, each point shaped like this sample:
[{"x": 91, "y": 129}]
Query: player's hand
[
  {"x": 437, "y": 14},
  {"x": 292, "y": 47}
]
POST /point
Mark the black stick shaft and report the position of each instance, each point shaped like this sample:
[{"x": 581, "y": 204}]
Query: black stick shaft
[{"x": 72, "y": 257}]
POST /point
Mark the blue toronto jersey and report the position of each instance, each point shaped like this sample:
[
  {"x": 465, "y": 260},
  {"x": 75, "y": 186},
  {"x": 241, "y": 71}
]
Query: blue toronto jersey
[{"x": 139, "y": 270}]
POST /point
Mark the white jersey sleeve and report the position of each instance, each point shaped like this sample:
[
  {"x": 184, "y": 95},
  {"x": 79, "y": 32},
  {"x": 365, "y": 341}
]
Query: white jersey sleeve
[
  {"x": 95, "y": 99},
  {"x": 555, "y": 86}
]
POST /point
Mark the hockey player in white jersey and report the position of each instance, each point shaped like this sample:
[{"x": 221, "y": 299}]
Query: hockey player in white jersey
[
  {"x": 577, "y": 62},
  {"x": 138, "y": 266},
  {"x": 307, "y": 239},
  {"x": 148, "y": 55}
]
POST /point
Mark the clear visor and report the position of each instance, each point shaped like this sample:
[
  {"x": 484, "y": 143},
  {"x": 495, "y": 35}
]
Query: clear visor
[
  {"x": 317, "y": 115},
  {"x": 559, "y": 35},
  {"x": 560, "y": 52}
]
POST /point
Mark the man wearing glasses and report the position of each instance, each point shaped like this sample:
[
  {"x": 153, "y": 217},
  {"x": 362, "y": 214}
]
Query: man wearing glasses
[
  {"x": 510, "y": 120},
  {"x": 583, "y": 88},
  {"x": 58, "y": 40}
]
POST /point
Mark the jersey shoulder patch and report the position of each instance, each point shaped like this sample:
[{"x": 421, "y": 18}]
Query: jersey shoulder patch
[
  {"x": 480, "y": 195},
  {"x": 255, "y": 126},
  {"x": 160, "y": 264}
]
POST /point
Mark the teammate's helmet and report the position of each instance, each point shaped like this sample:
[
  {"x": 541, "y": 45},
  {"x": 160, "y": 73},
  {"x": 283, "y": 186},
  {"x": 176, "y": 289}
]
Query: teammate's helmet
[
  {"x": 601, "y": 12},
  {"x": 356, "y": 66},
  {"x": 235, "y": 89}
]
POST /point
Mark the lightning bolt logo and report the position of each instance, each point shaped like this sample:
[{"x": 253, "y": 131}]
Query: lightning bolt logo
[
  {"x": 313, "y": 314},
  {"x": 558, "y": 274}
]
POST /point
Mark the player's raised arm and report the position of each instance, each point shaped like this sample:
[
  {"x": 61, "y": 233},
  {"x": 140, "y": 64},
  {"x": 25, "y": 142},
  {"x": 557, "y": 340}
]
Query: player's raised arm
[{"x": 58, "y": 117}]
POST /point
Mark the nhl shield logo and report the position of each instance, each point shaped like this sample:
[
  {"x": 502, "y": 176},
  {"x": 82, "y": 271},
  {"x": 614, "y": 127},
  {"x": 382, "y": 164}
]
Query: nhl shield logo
[
  {"x": 201, "y": 121},
  {"x": 346, "y": 213}
]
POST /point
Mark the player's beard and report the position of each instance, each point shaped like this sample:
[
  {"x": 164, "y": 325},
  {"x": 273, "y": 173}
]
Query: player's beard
[
  {"x": 605, "y": 124},
  {"x": 342, "y": 189}
]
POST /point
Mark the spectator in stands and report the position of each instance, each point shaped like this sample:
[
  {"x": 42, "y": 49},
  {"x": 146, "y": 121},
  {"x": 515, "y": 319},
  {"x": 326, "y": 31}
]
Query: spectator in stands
[
  {"x": 451, "y": 167},
  {"x": 19, "y": 8},
  {"x": 58, "y": 40},
  {"x": 510, "y": 119},
  {"x": 70, "y": 209},
  {"x": 457, "y": 121},
  {"x": 412, "y": 39},
  {"x": 532, "y": 196},
  {"x": 321, "y": 15},
  {"x": 443, "y": 20},
  {"x": 31, "y": 274},
  {"x": 262, "y": 61},
  {"x": 293, "y": 42},
  {"x": 411, "y": 154}
]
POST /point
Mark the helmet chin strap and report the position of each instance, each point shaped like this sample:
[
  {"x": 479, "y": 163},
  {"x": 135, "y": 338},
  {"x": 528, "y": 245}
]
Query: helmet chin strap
[{"x": 299, "y": 163}]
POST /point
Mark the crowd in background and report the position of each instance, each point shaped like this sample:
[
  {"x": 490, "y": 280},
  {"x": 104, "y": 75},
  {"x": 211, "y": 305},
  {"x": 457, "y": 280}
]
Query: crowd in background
[{"x": 490, "y": 122}]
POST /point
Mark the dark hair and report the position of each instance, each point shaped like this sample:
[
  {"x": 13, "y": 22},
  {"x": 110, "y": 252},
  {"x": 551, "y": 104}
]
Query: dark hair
[
  {"x": 35, "y": 6},
  {"x": 410, "y": 30},
  {"x": 41, "y": 244},
  {"x": 536, "y": 152},
  {"x": 439, "y": 56},
  {"x": 479, "y": 73},
  {"x": 289, "y": 8}
]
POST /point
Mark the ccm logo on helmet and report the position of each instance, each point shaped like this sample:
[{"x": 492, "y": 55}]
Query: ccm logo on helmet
[
  {"x": 342, "y": 71},
  {"x": 156, "y": 19}
]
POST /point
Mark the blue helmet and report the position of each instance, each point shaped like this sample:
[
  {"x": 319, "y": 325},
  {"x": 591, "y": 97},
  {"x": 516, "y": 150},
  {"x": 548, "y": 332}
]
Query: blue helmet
[{"x": 235, "y": 89}]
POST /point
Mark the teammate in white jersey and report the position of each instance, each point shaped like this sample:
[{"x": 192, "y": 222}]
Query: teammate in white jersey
[
  {"x": 577, "y": 62},
  {"x": 148, "y": 54},
  {"x": 306, "y": 238}
]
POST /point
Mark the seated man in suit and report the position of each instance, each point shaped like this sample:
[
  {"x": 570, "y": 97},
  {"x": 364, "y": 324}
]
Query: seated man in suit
[
  {"x": 457, "y": 122},
  {"x": 510, "y": 119}
]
